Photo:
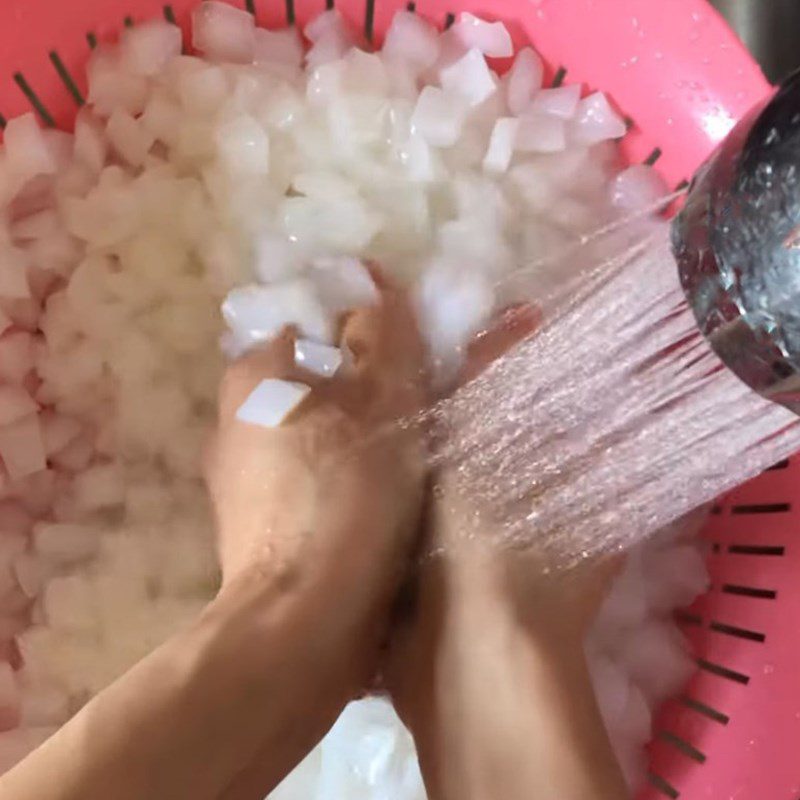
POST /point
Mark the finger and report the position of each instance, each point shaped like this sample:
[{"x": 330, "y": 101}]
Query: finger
[
  {"x": 512, "y": 326},
  {"x": 361, "y": 335},
  {"x": 385, "y": 337},
  {"x": 379, "y": 277}
]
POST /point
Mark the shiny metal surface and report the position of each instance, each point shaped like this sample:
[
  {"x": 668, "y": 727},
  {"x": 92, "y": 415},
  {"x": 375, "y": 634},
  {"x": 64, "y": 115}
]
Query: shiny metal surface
[
  {"x": 737, "y": 244},
  {"x": 770, "y": 28}
]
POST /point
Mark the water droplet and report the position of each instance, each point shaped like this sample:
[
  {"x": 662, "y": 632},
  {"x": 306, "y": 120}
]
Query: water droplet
[
  {"x": 670, "y": 121},
  {"x": 706, "y": 60},
  {"x": 635, "y": 22},
  {"x": 769, "y": 669},
  {"x": 634, "y": 59},
  {"x": 658, "y": 55}
]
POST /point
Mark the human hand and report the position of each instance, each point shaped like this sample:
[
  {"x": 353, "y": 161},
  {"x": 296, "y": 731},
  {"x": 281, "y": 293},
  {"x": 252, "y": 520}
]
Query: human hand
[
  {"x": 326, "y": 505},
  {"x": 489, "y": 652}
]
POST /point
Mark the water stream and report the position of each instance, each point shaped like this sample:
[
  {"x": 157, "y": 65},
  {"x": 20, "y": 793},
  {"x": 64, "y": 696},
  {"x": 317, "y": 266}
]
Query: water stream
[{"x": 612, "y": 421}]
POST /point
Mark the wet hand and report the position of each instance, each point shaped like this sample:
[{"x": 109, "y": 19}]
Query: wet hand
[{"x": 326, "y": 505}]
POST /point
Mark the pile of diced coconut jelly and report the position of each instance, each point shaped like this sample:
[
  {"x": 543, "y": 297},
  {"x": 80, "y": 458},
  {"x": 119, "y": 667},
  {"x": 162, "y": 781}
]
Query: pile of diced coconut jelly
[{"x": 255, "y": 178}]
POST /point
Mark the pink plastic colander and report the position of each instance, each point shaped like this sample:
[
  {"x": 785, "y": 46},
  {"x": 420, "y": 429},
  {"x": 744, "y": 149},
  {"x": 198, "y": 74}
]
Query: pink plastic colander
[{"x": 683, "y": 79}]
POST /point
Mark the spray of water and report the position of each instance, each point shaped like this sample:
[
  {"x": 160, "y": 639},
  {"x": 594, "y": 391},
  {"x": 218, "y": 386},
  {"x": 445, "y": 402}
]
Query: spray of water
[{"x": 612, "y": 421}]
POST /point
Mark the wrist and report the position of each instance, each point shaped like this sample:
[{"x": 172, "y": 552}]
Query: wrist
[
  {"x": 551, "y": 608},
  {"x": 298, "y": 612},
  {"x": 519, "y": 702}
]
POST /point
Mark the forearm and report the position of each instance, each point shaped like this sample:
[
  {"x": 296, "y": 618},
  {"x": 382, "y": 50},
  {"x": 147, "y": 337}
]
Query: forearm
[
  {"x": 257, "y": 673},
  {"x": 513, "y": 713}
]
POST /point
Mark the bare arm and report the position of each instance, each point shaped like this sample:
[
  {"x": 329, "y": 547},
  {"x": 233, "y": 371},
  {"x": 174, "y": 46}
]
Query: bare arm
[{"x": 261, "y": 670}]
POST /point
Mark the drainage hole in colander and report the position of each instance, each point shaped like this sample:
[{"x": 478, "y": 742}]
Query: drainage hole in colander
[
  {"x": 34, "y": 100},
  {"x": 739, "y": 633},
  {"x": 723, "y": 672},
  {"x": 369, "y": 19},
  {"x": 66, "y": 78},
  {"x": 749, "y": 591},
  {"x": 663, "y": 786},
  {"x": 756, "y": 550},
  {"x": 687, "y": 748},
  {"x": 704, "y": 709},
  {"x": 653, "y": 157},
  {"x": 762, "y": 508}
]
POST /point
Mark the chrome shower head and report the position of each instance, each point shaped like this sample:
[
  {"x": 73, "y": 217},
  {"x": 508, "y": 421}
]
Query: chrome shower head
[{"x": 737, "y": 245}]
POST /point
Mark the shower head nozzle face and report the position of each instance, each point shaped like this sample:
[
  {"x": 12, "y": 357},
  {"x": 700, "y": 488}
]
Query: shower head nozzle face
[{"x": 737, "y": 244}]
